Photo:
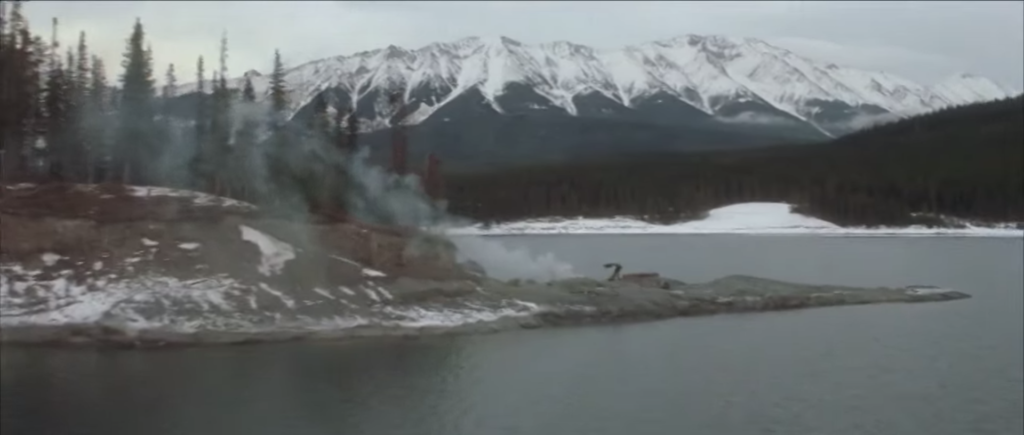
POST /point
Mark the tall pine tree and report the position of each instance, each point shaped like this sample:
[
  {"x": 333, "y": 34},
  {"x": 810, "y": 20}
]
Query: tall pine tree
[
  {"x": 136, "y": 145},
  {"x": 82, "y": 72},
  {"x": 57, "y": 106},
  {"x": 246, "y": 153},
  {"x": 278, "y": 94},
  {"x": 173, "y": 168},
  {"x": 201, "y": 165},
  {"x": 20, "y": 92},
  {"x": 281, "y": 155},
  {"x": 99, "y": 110},
  {"x": 220, "y": 125},
  {"x": 170, "y": 88},
  {"x": 82, "y": 142}
]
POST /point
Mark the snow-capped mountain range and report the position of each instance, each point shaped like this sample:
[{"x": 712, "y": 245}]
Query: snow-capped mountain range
[{"x": 726, "y": 78}]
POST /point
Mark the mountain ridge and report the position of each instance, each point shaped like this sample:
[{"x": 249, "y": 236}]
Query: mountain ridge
[
  {"x": 480, "y": 103},
  {"x": 706, "y": 72}
]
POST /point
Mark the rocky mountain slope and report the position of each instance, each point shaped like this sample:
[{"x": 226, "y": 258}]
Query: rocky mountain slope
[{"x": 686, "y": 92}]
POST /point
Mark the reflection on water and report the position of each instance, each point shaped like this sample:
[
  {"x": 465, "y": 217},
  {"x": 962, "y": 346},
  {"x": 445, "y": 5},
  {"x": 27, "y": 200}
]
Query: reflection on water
[{"x": 945, "y": 368}]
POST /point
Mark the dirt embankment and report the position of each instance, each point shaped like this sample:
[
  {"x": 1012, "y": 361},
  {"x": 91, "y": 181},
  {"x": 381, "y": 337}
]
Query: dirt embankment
[
  {"x": 137, "y": 265},
  {"x": 140, "y": 225}
]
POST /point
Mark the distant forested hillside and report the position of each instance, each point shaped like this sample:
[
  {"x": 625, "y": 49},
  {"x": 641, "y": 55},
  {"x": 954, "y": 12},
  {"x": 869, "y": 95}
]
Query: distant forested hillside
[{"x": 965, "y": 162}]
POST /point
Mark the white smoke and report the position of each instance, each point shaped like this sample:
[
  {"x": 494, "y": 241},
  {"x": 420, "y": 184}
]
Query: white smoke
[
  {"x": 382, "y": 197},
  {"x": 372, "y": 194},
  {"x": 502, "y": 262}
]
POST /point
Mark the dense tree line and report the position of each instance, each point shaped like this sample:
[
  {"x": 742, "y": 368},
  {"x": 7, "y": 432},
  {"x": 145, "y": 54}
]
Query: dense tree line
[
  {"x": 60, "y": 121},
  {"x": 965, "y": 162}
]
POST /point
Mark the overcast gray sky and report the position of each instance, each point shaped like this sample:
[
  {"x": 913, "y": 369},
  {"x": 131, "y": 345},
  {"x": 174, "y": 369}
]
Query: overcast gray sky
[{"x": 925, "y": 41}]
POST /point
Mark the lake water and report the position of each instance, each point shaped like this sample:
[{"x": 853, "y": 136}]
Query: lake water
[{"x": 952, "y": 368}]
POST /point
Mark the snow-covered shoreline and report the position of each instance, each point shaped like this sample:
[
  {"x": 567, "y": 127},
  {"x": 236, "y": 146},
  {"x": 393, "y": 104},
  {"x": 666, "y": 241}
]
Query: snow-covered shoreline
[
  {"x": 185, "y": 281},
  {"x": 740, "y": 219}
]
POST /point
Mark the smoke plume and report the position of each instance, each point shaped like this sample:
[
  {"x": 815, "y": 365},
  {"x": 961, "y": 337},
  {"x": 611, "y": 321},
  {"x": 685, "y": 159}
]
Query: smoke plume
[{"x": 385, "y": 198}]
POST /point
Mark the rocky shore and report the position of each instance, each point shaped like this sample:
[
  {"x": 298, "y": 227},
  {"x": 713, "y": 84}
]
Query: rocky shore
[{"x": 151, "y": 267}]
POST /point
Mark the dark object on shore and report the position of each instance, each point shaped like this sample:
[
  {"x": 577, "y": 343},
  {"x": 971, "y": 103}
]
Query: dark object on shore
[
  {"x": 615, "y": 273},
  {"x": 618, "y": 276}
]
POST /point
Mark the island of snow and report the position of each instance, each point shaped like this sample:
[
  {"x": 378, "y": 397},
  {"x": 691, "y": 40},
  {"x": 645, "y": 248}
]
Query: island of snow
[{"x": 748, "y": 218}]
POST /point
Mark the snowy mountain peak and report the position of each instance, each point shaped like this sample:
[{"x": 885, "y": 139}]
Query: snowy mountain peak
[
  {"x": 970, "y": 87},
  {"x": 724, "y": 77}
]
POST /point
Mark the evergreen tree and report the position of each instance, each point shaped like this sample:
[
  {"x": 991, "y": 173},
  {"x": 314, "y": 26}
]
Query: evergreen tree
[
  {"x": 82, "y": 142},
  {"x": 74, "y": 148},
  {"x": 278, "y": 93},
  {"x": 282, "y": 156},
  {"x": 82, "y": 71},
  {"x": 135, "y": 144},
  {"x": 57, "y": 107},
  {"x": 170, "y": 89},
  {"x": 248, "y": 93},
  {"x": 173, "y": 164},
  {"x": 321, "y": 176},
  {"x": 69, "y": 69},
  {"x": 20, "y": 99},
  {"x": 201, "y": 165},
  {"x": 98, "y": 84},
  {"x": 56, "y": 101},
  {"x": 99, "y": 110},
  {"x": 224, "y": 55},
  {"x": 220, "y": 126},
  {"x": 247, "y": 155},
  {"x": 216, "y": 144},
  {"x": 7, "y": 74}
]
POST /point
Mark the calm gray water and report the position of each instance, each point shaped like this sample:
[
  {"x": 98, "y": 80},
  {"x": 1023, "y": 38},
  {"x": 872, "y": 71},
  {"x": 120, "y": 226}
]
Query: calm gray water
[{"x": 947, "y": 368}]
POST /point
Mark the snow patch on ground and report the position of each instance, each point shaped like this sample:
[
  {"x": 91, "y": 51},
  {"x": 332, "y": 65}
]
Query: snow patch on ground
[
  {"x": 50, "y": 258},
  {"x": 324, "y": 293},
  {"x": 189, "y": 246},
  {"x": 926, "y": 290},
  {"x": 147, "y": 242},
  {"x": 275, "y": 253},
  {"x": 417, "y": 317},
  {"x": 372, "y": 273},
  {"x": 198, "y": 198},
  {"x": 384, "y": 292},
  {"x": 288, "y": 302},
  {"x": 746, "y": 218},
  {"x": 215, "y": 303},
  {"x": 366, "y": 271},
  {"x": 62, "y": 302},
  {"x": 345, "y": 260}
]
